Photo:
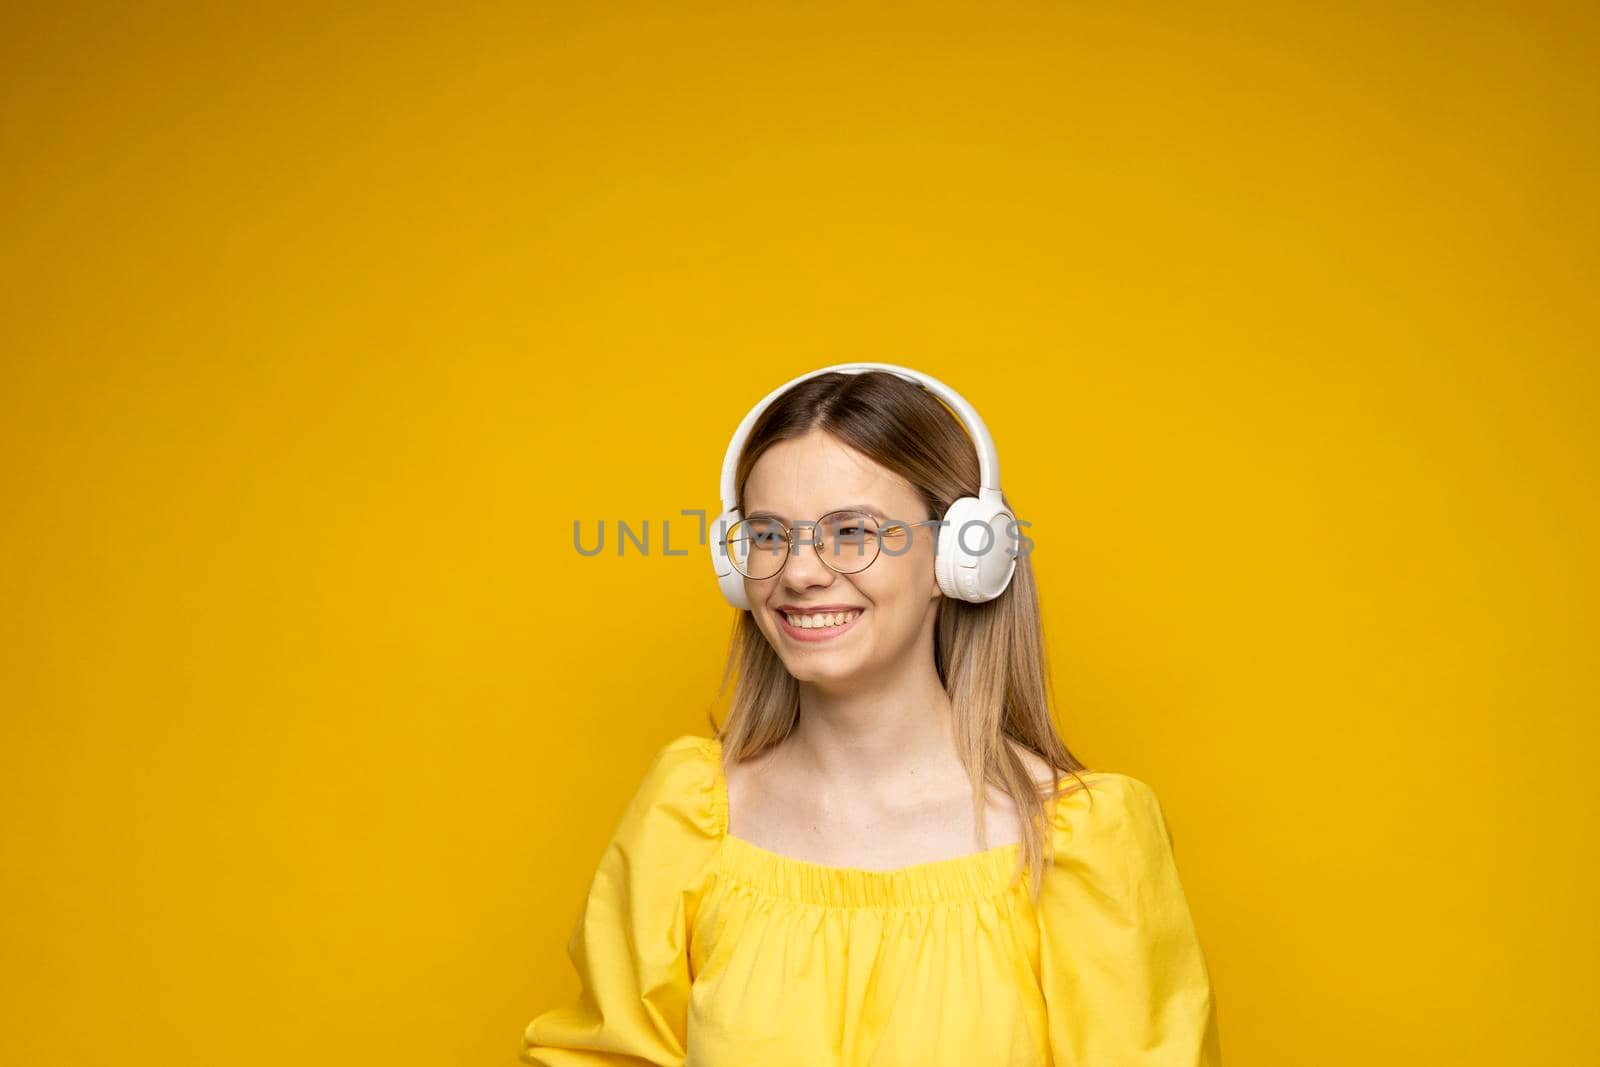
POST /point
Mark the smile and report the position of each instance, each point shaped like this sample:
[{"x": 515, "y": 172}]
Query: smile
[{"x": 824, "y": 626}]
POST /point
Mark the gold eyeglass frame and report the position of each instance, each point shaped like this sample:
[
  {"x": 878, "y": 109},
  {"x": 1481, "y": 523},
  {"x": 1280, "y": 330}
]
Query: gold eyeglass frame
[{"x": 789, "y": 542}]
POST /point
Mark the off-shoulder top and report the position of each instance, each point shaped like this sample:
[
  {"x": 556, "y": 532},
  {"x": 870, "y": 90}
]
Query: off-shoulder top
[{"x": 695, "y": 948}]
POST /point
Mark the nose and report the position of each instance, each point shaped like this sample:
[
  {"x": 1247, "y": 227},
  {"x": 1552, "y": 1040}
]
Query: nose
[{"x": 805, "y": 569}]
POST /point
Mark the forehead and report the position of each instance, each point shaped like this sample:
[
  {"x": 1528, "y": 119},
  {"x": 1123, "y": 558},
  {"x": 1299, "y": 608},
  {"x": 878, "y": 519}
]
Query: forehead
[{"x": 806, "y": 477}]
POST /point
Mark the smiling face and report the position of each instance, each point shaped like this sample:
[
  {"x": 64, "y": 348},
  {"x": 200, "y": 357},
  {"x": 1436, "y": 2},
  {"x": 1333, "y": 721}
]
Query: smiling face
[{"x": 894, "y": 600}]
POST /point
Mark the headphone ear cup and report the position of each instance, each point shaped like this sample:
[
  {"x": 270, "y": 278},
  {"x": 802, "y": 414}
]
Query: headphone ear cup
[
  {"x": 729, "y": 580},
  {"x": 983, "y": 572},
  {"x": 733, "y": 590}
]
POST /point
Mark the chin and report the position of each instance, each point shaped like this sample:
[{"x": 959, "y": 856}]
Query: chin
[{"x": 826, "y": 676}]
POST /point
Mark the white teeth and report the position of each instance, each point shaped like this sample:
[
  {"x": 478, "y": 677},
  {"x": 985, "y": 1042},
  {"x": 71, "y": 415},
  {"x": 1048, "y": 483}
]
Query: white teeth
[{"x": 819, "y": 622}]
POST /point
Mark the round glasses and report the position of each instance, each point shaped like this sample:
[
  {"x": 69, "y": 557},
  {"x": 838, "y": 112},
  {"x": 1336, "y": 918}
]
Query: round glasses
[{"x": 846, "y": 541}]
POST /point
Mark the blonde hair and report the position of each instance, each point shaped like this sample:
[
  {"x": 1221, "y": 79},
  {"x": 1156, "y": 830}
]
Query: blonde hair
[{"x": 990, "y": 656}]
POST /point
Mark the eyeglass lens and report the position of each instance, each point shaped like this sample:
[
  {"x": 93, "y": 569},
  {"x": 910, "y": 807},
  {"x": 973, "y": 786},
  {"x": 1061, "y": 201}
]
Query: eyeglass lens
[{"x": 847, "y": 541}]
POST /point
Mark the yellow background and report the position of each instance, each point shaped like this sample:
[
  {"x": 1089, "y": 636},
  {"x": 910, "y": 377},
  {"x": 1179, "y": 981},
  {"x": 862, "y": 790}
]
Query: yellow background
[{"x": 323, "y": 324}]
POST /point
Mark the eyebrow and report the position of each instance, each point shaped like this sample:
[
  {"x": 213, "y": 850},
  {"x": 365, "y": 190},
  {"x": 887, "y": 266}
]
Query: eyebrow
[{"x": 867, "y": 508}]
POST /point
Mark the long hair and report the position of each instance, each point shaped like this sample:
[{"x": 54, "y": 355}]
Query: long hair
[{"x": 990, "y": 657}]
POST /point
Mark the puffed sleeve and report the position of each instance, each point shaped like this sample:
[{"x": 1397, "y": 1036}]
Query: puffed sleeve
[
  {"x": 1125, "y": 980},
  {"x": 629, "y": 945}
]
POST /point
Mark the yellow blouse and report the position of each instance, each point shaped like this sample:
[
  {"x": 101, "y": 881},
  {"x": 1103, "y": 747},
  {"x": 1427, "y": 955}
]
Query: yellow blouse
[{"x": 698, "y": 949}]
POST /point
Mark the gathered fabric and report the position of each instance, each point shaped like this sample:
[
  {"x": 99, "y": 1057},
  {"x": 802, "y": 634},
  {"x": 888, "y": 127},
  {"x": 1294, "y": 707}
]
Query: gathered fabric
[{"x": 694, "y": 948}]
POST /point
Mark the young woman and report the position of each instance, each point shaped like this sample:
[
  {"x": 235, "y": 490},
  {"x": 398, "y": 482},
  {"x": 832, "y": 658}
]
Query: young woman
[{"x": 843, "y": 873}]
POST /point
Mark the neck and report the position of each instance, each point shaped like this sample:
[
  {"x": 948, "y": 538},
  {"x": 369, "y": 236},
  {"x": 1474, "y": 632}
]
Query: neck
[{"x": 878, "y": 736}]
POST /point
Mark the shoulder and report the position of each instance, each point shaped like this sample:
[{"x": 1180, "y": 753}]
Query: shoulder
[
  {"x": 1043, "y": 774},
  {"x": 1126, "y": 789},
  {"x": 1090, "y": 802},
  {"x": 1105, "y": 794},
  {"x": 681, "y": 782},
  {"x": 1101, "y": 812},
  {"x": 685, "y": 750},
  {"x": 664, "y": 843}
]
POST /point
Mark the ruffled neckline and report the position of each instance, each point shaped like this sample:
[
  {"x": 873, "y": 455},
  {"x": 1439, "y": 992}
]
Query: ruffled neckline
[{"x": 976, "y": 874}]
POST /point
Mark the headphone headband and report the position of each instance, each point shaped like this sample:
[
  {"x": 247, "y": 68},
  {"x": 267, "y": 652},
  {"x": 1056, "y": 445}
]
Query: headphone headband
[{"x": 988, "y": 458}]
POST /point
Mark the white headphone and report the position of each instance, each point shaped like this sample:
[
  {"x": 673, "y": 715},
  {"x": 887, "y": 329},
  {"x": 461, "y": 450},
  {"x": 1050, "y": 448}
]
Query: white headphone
[{"x": 974, "y": 575}]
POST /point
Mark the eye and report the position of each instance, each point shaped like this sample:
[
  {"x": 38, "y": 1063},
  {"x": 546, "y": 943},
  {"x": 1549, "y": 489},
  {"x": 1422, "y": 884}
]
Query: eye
[
  {"x": 851, "y": 527},
  {"x": 767, "y": 536}
]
